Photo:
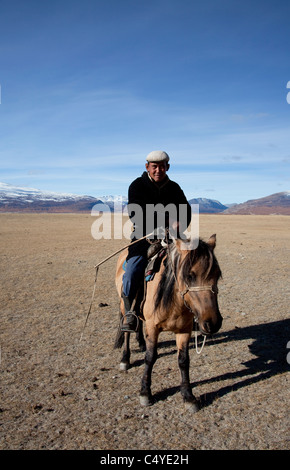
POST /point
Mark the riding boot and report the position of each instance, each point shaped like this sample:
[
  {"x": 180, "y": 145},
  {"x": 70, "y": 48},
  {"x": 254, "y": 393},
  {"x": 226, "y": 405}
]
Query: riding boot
[{"x": 129, "y": 323}]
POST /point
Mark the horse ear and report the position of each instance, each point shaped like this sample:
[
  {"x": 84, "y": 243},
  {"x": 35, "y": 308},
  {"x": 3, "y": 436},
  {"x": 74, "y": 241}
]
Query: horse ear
[{"x": 212, "y": 242}]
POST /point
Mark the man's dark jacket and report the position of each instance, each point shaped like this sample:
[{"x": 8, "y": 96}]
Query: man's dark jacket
[{"x": 144, "y": 190}]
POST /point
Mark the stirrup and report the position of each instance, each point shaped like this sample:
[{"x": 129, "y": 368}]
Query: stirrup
[{"x": 125, "y": 327}]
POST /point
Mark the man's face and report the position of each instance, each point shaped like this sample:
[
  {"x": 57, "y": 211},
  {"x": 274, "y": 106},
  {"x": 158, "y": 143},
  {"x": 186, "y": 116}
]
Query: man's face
[{"x": 157, "y": 171}]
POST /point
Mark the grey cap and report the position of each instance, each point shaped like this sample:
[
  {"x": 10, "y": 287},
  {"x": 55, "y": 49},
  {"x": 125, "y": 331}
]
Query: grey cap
[{"x": 157, "y": 156}]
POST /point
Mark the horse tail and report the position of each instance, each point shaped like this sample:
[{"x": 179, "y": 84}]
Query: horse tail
[{"x": 119, "y": 340}]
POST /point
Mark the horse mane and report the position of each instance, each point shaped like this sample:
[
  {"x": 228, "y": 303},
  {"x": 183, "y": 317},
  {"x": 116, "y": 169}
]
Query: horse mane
[{"x": 165, "y": 291}]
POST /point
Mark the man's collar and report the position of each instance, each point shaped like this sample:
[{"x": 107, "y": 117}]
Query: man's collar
[{"x": 161, "y": 184}]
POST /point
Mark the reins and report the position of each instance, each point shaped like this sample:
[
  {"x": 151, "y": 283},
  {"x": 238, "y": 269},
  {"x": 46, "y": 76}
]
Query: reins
[{"x": 199, "y": 351}]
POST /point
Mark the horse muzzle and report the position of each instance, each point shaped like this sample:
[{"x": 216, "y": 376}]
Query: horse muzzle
[{"x": 210, "y": 326}]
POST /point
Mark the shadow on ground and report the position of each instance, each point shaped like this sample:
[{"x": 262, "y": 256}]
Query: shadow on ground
[{"x": 269, "y": 350}]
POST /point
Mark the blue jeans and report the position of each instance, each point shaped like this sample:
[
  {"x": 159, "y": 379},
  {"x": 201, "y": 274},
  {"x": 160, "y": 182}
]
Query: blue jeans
[{"x": 134, "y": 274}]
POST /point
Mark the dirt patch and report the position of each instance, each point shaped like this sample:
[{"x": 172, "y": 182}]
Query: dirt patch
[{"x": 57, "y": 394}]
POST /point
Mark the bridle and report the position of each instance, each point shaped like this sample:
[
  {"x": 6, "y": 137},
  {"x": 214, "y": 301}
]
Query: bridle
[
  {"x": 213, "y": 289},
  {"x": 187, "y": 289},
  {"x": 196, "y": 289}
]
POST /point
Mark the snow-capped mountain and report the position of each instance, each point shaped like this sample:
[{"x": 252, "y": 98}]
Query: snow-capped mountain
[
  {"x": 117, "y": 199},
  {"x": 115, "y": 203},
  {"x": 16, "y": 199},
  {"x": 8, "y": 191}
]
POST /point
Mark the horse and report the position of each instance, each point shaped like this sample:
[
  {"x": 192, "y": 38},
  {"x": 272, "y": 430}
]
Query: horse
[{"x": 182, "y": 292}]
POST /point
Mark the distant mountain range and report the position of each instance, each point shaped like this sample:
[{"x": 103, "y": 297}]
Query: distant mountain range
[
  {"x": 208, "y": 206},
  {"x": 278, "y": 203},
  {"x": 19, "y": 199}
]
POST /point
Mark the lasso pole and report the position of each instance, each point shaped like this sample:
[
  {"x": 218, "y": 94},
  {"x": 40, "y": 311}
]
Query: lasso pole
[{"x": 96, "y": 276}]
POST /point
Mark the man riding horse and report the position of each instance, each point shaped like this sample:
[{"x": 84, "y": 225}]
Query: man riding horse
[{"x": 151, "y": 190}]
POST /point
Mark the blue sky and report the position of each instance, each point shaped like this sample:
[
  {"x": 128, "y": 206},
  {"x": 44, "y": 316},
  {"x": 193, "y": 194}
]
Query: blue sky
[{"x": 89, "y": 88}]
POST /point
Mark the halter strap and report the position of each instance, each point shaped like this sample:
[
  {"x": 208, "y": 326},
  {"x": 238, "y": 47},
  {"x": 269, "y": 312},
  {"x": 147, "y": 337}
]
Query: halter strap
[{"x": 197, "y": 289}]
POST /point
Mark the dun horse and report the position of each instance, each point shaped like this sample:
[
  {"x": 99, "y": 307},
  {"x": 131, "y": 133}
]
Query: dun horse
[{"x": 183, "y": 291}]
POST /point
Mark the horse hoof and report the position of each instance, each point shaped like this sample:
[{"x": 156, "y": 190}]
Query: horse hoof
[
  {"x": 124, "y": 366},
  {"x": 145, "y": 401},
  {"x": 192, "y": 406}
]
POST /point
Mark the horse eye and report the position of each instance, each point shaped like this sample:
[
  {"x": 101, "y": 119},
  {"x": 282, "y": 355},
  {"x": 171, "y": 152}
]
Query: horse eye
[{"x": 191, "y": 277}]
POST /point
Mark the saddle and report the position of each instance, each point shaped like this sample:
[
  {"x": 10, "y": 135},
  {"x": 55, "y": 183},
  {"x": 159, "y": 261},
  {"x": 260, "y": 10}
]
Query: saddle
[{"x": 155, "y": 254}]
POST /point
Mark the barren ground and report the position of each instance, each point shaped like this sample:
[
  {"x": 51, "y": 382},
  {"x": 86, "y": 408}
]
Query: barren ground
[{"x": 59, "y": 394}]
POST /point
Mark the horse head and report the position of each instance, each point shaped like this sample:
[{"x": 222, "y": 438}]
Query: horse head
[{"x": 197, "y": 273}]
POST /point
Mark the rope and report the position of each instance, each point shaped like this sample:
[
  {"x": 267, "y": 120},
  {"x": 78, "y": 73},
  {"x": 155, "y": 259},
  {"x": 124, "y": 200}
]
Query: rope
[
  {"x": 90, "y": 308},
  {"x": 199, "y": 351}
]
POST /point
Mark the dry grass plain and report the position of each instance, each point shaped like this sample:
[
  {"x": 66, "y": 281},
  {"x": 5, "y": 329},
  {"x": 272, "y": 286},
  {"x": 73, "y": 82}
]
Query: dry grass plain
[{"x": 59, "y": 394}]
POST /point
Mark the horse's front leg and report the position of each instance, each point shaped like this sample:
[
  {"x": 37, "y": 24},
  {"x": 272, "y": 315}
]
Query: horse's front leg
[
  {"x": 125, "y": 361},
  {"x": 150, "y": 358},
  {"x": 182, "y": 342}
]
